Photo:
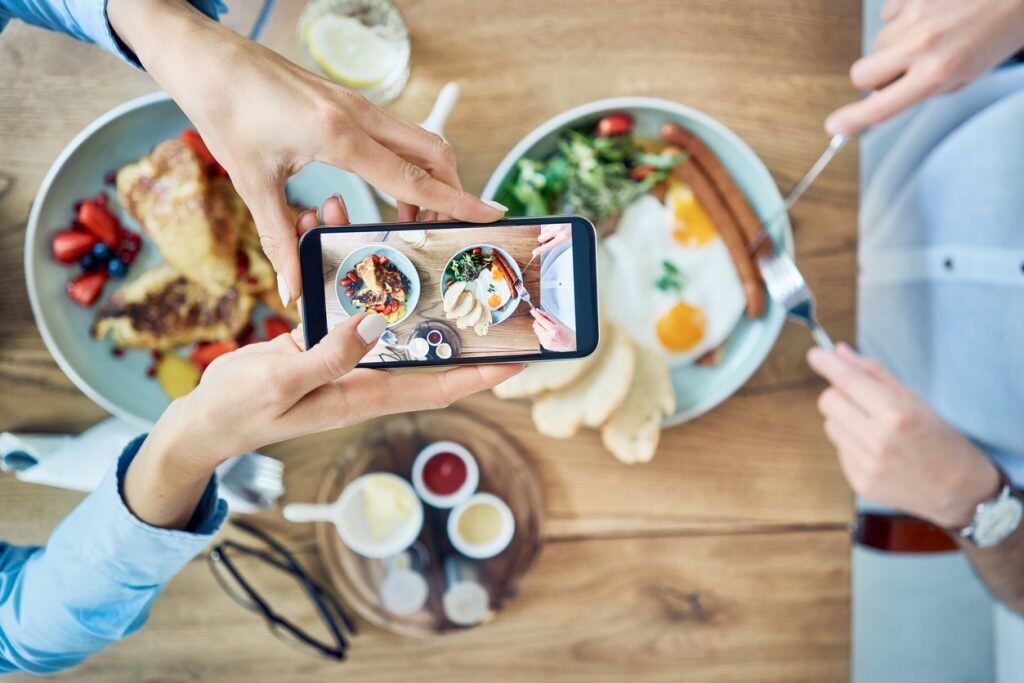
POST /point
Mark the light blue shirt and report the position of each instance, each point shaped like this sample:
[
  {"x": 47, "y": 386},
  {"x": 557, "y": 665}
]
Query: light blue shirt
[
  {"x": 941, "y": 254},
  {"x": 85, "y": 20},
  {"x": 94, "y": 581}
]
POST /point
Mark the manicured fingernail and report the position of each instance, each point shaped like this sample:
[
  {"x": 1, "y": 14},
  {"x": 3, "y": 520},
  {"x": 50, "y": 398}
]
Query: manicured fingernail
[
  {"x": 371, "y": 327},
  {"x": 816, "y": 355},
  {"x": 495, "y": 205},
  {"x": 284, "y": 291}
]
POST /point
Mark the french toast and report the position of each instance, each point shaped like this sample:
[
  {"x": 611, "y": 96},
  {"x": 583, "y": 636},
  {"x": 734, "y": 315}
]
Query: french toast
[
  {"x": 192, "y": 218},
  {"x": 163, "y": 309}
]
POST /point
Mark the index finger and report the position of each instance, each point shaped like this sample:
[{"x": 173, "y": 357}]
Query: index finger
[
  {"x": 882, "y": 104},
  {"x": 409, "y": 183},
  {"x": 866, "y": 391}
]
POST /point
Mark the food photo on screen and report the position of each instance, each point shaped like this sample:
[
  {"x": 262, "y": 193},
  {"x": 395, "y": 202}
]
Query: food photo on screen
[{"x": 455, "y": 292}]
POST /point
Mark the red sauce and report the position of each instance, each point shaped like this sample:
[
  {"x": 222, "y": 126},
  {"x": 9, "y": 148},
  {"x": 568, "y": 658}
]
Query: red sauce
[{"x": 444, "y": 474}]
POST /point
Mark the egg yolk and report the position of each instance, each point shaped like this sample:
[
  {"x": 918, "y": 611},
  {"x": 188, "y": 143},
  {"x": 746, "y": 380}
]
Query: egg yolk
[
  {"x": 496, "y": 273},
  {"x": 682, "y": 327},
  {"x": 494, "y": 301},
  {"x": 691, "y": 225}
]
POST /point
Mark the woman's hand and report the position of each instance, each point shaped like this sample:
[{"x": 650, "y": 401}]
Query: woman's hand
[
  {"x": 928, "y": 47},
  {"x": 264, "y": 118},
  {"x": 551, "y": 236},
  {"x": 272, "y": 391},
  {"x": 893, "y": 449},
  {"x": 552, "y": 333}
]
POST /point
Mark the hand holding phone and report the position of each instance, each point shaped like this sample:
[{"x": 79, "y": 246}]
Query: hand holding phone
[{"x": 519, "y": 289}]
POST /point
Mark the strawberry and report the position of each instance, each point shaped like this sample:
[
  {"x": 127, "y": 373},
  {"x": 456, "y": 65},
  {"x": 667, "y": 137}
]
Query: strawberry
[
  {"x": 99, "y": 222},
  {"x": 192, "y": 138},
  {"x": 617, "y": 123},
  {"x": 69, "y": 245},
  {"x": 85, "y": 289},
  {"x": 274, "y": 327},
  {"x": 204, "y": 354}
]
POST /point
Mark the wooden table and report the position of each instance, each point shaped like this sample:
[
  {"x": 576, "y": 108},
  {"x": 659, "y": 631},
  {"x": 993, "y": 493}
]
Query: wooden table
[
  {"x": 513, "y": 331},
  {"x": 726, "y": 558}
]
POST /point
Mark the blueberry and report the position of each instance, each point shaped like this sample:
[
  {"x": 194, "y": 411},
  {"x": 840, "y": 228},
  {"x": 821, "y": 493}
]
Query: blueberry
[
  {"x": 89, "y": 262},
  {"x": 117, "y": 268},
  {"x": 102, "y": 252}
]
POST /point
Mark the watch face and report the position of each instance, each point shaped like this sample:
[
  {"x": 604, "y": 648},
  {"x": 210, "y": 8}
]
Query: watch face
[{"x": 998, "y": 521}]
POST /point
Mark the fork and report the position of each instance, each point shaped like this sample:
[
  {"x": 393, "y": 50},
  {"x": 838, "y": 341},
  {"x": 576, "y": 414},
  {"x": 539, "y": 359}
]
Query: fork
[
  {"x": 520, "y": 288},
  {"x": 256, "y": 479},
  {"x": 787, "y": 286}
]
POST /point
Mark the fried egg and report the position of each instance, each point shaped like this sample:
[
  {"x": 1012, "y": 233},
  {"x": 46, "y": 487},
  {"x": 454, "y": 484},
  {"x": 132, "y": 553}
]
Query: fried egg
[
  {"x": 671, "y": 281},
  {"x": 491, "y": 289}
]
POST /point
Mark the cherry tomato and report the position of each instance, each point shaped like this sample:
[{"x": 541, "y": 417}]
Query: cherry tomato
[
  {"x": 641, "y": 172},
  {"x": 617, "y": 123}
]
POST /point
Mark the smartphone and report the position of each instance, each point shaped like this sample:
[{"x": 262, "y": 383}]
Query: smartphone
[{"x": 519, "y": 289}]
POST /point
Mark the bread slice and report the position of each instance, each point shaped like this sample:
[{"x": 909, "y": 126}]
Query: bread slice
[
  {"x": 470, "y": 319},
  {"x": 463, "y": 306},
  {"x": 551, "y": 376},
  {"x": 592, "y": 398},
  {"x": 483, "y": 324},
  {"x": 632, "y": 432},
  {"x": 451, "y": 296}
]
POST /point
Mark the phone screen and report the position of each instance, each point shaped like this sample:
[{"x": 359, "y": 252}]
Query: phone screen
[{"x": 462, "y": 292}]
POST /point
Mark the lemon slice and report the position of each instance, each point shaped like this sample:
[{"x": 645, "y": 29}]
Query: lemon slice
[{"x": 349, "y": 52}]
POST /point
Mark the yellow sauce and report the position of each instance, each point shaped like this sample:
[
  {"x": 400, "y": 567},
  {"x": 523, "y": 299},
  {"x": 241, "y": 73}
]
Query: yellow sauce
[{"x": 480, "y": 524}]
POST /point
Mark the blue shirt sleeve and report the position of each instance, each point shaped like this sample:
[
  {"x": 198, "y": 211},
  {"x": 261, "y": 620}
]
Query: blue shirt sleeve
[
  {"x": 85, "y": 20},
  {"x": 94, "y": 581}
]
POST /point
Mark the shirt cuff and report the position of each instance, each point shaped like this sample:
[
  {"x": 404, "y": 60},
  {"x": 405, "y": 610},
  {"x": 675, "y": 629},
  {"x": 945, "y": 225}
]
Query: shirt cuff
[
  {"x": 102, "y": 532},
  {"x": 97, "y": 28}
]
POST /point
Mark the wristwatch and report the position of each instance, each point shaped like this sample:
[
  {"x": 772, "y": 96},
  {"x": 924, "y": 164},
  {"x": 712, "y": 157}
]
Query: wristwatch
[{"x": 995, "y": 519}]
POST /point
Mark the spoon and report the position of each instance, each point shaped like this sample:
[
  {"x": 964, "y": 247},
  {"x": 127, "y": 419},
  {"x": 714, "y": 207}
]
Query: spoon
[{"x": 434, "y": 123}]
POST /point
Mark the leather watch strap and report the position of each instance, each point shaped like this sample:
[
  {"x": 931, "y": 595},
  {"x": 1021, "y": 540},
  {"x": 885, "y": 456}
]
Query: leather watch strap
[{"x": 896, "y": 533}]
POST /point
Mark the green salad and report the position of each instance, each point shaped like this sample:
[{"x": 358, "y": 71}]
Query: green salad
[{"x": 595, "y": 172}]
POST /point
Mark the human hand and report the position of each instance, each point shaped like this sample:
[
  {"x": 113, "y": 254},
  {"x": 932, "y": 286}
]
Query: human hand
[
  {"x": 551, "y": 236},
  {"x": 893, "y": 448},
  {"x": 268, "y": 392},
  {"x": 928, "y": 47},
  {"x": 264, "y": 118},
  {"x": 552, "y": 333}
]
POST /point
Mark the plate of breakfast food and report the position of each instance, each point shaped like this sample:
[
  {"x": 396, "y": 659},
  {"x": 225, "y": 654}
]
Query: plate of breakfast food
[
  {"x": 143, "y": 264},
  {"x": 376, "y": 277},
  {"x": 475, "y": 289},
  {"x": 676, "y": 198}
]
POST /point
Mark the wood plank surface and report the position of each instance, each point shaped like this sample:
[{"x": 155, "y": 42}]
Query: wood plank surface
[
  {"x": 758, "y": 607},
  {"x": 726, "y": 558}
]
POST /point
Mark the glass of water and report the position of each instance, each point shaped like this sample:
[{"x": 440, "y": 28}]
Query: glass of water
[{"x": 361, "y": 44}]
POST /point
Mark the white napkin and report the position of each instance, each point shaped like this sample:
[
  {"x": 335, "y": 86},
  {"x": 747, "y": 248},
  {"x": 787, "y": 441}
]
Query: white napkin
[{"x": 80, "y": 462}]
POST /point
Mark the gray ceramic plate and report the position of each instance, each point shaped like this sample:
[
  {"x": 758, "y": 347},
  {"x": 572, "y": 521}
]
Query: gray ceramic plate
[
  {"x": 698, "y": 389},
  {"x": 122, "y": 135}
]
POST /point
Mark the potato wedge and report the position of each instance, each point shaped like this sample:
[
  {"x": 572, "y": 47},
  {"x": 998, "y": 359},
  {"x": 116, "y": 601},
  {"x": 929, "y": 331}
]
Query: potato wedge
[
  {"x": 592, "y": 398},
  {"x": 632, "y": 432}
]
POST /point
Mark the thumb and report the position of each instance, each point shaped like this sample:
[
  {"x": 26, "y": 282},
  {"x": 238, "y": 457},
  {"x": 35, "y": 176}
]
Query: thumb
[
  {"x": 337, "y": 353},
  {"x": 278, "y": 235}
]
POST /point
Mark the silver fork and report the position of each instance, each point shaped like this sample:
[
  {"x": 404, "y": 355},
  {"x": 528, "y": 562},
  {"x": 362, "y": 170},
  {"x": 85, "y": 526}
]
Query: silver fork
[
  {"x": 786, "y": 285},
  {"x": 521, "y": 290},
  {"x": 256, "y": 479}
]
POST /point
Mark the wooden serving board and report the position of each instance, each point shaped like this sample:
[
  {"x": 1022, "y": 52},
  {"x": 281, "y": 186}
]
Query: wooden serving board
[{"x": 391, "y": 445}]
